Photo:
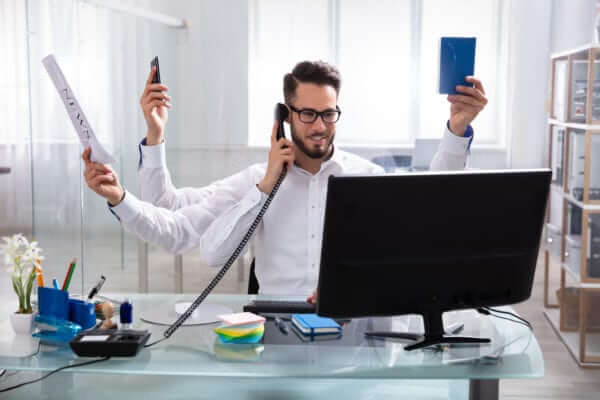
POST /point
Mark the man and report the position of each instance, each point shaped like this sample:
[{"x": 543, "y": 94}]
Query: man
[{"x": 287, "y": 243}]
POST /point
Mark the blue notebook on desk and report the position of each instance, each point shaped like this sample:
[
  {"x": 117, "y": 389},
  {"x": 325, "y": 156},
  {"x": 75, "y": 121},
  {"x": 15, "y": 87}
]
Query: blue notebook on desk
[
  {"x": 457, "y": 61},
  {"x": 312, "y": 324}
]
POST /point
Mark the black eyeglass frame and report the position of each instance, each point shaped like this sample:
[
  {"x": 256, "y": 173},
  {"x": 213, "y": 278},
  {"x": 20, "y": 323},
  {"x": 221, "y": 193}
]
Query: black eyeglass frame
[{"x": 317, "y": 114}]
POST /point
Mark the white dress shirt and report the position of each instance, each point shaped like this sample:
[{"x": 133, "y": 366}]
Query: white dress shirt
[{"x": 287, "y": 243}]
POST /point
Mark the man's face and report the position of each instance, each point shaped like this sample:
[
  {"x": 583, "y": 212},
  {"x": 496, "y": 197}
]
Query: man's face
[{"x": 313, "y": 139}]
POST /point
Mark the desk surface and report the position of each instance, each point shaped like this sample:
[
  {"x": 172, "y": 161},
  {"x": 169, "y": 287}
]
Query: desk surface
[{"x": 196, "y": 351}]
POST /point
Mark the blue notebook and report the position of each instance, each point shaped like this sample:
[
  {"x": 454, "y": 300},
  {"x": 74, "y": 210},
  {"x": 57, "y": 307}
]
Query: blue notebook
[
  {"x": 457, "y": 61},
  {"x": 312, "y": 324}
]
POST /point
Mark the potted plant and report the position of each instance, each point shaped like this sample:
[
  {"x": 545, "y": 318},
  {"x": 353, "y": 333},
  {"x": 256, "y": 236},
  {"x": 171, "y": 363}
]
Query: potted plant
[{"x": 23, "y": 260}]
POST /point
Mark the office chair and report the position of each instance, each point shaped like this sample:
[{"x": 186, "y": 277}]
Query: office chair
[
  {"x": 391, "y": 162},
  {"x": 252, "y": 281}
]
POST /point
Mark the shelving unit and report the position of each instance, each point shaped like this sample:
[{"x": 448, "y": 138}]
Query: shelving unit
[{"x": 572, "y": 248}]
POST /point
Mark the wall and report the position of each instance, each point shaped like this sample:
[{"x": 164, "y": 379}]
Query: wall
[
  {"x": 213, "y": 71},
  {"x": 572, "y": 24},
  {"x": 529, "y": 55}
]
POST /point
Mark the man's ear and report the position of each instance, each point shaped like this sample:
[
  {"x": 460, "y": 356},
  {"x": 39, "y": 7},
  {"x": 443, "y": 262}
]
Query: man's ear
[{"x": 288, "y": 119}]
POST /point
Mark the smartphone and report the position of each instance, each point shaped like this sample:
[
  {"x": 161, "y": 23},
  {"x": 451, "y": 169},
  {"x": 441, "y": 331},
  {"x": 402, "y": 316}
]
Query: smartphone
[
  {"x": 154, "y": 63},
  {"x": 457, "y": 61},
  {"x": 281, "y": 114}
]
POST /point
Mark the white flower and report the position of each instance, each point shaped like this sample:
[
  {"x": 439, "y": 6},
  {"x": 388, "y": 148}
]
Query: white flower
[{"x": 20, "y": 256}]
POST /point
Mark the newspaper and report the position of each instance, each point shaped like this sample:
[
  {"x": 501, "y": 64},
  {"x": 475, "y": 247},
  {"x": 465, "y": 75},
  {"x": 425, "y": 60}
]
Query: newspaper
[{"x": 80, "y": 122}]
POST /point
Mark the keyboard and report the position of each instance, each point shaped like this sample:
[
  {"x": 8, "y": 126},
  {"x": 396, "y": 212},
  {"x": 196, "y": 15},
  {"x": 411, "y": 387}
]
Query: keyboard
[{"x": 282, "y": 307}]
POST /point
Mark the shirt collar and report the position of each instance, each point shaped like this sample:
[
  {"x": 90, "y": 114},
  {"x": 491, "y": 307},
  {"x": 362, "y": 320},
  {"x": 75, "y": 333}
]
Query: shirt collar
[{"x": 336, "y": 159}]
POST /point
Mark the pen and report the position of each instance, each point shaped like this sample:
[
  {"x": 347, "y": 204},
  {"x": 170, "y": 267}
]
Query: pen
[
  {"x": 70, "y": 270},
  {"x": 55, "y": 283},
  {"x": 40, "y": 276},
  {"x": 96, "y": 288},
  {"x": 281, "y": 325},
  {"x": 455, "y": 328}
]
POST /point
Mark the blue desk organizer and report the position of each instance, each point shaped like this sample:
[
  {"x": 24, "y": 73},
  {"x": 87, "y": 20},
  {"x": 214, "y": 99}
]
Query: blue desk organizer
[{"x": 60, "y": 319}]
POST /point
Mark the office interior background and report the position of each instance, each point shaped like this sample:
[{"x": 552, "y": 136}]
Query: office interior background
[{"x": 224, "y": 62}]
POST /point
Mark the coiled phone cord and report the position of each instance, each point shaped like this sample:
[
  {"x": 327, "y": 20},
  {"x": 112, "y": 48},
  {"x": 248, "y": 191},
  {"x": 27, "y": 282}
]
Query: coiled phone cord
[{"x": 171, "y": 329}]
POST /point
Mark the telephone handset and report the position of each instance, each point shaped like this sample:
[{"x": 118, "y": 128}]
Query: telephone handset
[{"x": 281, "y": 114}]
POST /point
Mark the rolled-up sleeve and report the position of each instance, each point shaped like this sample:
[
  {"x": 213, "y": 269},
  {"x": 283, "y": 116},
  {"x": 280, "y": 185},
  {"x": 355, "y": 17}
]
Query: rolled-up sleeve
[
  {"x": 452, "y": 153},
  {"x": 224, "y": 235},
  {"x": 156, "y": 186}
]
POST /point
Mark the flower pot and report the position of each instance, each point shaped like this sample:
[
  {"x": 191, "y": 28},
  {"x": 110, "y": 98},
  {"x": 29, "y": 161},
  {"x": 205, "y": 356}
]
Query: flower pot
[{"x": 22, "y": 323}]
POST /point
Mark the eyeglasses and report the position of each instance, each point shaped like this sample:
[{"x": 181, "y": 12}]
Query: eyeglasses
[{"x": 308, "y": 115}]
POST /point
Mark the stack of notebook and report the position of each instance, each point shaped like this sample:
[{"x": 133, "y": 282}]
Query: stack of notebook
[{"x": 244, "y": 327}]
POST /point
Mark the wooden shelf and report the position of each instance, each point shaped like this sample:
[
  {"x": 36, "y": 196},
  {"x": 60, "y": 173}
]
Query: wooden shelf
[
  {"x": 571, "y": 339},
  {"x": 564, "y": 54},
  {"x": 574, "y": 96},
  {"x": 568, "y": 196},
  {"x": 574, "y": 125}
]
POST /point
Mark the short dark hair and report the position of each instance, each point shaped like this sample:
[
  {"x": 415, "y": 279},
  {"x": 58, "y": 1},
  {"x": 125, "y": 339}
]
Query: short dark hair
[{"x": 317, "y": 72}]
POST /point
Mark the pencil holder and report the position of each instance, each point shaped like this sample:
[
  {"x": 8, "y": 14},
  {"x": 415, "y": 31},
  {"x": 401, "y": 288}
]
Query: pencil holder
[
  {"x": 82, "y": 313},
  {"x": 53, "y": 302}
]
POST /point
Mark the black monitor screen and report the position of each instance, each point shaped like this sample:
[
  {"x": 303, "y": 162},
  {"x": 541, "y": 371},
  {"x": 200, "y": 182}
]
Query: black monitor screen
[{"x": 430, "y": 242}]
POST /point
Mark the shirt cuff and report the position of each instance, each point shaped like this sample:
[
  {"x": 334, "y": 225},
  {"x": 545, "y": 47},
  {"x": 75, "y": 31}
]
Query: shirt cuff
[
  {"x": 455, "y": 144},
  {"x": 152, "y": 156},
  {"x": 127, "y": 209},
  {"x": 250, "y": 204}
]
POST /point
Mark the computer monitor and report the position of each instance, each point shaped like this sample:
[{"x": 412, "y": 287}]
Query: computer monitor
[{"x": 429, "y": 242}]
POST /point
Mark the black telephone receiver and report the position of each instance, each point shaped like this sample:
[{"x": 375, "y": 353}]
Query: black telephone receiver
[
  {"x": 154, "y": 63},
  {"x": 281, "y": 114}
]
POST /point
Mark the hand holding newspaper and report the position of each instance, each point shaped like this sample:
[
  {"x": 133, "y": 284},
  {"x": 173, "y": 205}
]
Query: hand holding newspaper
[{"x": 80, "y": 122}]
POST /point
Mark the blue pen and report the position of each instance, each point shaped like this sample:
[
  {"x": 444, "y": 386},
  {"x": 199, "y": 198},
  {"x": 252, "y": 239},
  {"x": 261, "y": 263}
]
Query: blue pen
[{"x": 55, "y": 283}]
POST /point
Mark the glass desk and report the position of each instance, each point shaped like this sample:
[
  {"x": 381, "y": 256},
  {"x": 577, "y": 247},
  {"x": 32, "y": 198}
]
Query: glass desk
[{"x": 193, "y": 362}]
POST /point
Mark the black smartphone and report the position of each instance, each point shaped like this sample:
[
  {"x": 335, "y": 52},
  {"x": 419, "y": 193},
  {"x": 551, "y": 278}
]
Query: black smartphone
[
  {"x": 154, "y": 63},
  {"x": 281, "y": 114}
]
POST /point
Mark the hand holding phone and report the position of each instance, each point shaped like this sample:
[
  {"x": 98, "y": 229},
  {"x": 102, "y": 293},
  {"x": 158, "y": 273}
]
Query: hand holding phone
[
  {"x": 154, "y": 103},
  {"x": 281, "y": 114},
  {"x": 282, "y": 151}
]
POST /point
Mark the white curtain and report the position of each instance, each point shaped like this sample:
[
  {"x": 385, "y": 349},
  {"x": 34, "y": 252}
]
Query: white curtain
[
  {"x": 105, "y": 56},
  {"x": 15, "y": 187},
  {"x": 13, "y": 72}
]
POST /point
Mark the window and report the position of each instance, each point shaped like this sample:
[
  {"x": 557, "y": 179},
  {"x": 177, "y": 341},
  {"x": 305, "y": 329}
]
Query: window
[
  {"x": 280, "y": 31},
  {"x": 477, "y": 18},
  {"x": 14, "y": 101},
  {"x": 388, "y": 55}
]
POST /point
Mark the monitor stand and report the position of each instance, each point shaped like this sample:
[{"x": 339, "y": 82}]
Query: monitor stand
[{"x": 434, "y": 334}]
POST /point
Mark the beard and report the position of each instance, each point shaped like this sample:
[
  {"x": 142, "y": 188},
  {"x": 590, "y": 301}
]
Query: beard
[{"x": 318, "y": 152}]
